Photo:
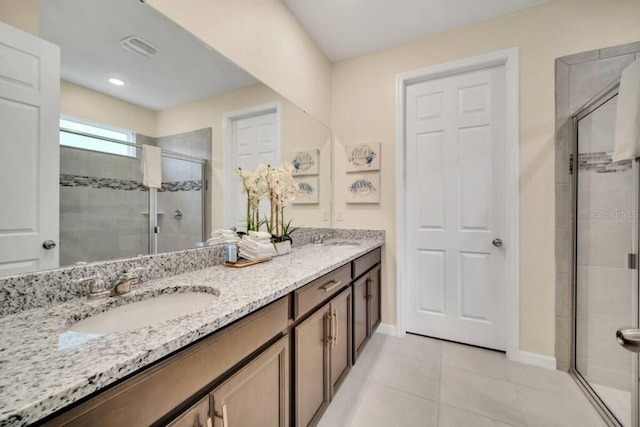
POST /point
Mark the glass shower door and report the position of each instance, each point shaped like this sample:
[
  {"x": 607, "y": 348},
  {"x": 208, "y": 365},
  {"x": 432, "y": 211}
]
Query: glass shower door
[
  {"x": 604, "y": 285},
  {"x": 180, "y": 205}
]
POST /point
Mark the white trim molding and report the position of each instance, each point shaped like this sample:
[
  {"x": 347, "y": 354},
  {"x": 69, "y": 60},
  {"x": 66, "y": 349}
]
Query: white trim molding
[
  {"x": 536, "y": 359},
  {"x": 510, "y": 59},
  {"x": 228, "y": 154}
]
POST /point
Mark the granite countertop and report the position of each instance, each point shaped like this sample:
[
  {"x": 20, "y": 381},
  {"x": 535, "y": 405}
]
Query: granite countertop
[{"x": 44, "y": 368}]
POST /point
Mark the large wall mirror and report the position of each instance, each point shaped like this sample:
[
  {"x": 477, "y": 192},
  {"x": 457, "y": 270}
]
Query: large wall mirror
[{"x": 130, "y": 77}]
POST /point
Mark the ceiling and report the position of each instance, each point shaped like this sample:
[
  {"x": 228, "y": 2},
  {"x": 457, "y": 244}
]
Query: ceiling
[
  {"x": 347, "y": 28},
  {"x": 89, "y": 34}
]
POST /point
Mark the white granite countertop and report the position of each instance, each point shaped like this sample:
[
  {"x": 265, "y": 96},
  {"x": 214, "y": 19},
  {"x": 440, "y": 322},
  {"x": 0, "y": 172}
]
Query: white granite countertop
[{"x": 43, "y": 368}]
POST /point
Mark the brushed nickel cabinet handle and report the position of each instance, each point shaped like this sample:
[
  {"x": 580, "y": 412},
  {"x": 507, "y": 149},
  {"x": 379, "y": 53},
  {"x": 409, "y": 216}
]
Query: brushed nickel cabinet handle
[
  {"x": 331, "y": 285},
  {"x": 335, "y": 334},
  {"x": 329, "y": 337},
  {"x": 209, "y": 422}
]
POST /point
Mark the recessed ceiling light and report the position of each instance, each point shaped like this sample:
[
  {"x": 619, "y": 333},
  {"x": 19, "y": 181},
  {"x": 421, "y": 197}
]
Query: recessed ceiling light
[{"x": 116, "y": 81}]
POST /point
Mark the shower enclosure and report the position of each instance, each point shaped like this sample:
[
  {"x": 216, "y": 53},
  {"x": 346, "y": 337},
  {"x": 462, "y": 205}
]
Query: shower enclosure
[
  {"x": 605, "y": 275},
  {"x": 106, "y": 212}
]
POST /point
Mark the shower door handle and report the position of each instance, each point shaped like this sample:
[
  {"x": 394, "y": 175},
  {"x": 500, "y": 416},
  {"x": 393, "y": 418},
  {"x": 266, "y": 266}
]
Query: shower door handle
[{"x": 629, "y": 338}]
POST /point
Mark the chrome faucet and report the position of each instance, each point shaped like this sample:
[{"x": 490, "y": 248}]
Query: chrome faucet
[
  {"x": 320, "y": 238},
  {"x": 127, "y": 281},
  {"x": 97, "y": 287},
  {"x": 122, "y": 285}
]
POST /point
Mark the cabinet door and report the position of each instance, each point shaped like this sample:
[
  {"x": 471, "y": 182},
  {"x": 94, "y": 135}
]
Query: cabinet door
[
  {"x": 312, "y": 367},
  {"x": 341, "y": 322},
  {"x": 258, "y": 394},
  {"x": 373, "y": 296},
  {"x": 195, "y": 416},
  {"x": 360, "y": 312}
]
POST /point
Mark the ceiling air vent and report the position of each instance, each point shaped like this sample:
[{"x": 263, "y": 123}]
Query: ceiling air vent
[{"x": 137, "y": 45}]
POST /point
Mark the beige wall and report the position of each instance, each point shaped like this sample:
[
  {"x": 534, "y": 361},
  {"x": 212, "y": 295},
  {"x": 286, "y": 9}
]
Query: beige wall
[
  {"x": 80, "y": 102},
  {"x": 363, "y": 109},
  {"x": 265, "y": 39},
  {"x": 21, "y": 14},
  {"x": 298, "y": 131}
]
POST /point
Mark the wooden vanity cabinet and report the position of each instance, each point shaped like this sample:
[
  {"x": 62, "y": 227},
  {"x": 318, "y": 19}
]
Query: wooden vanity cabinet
[
  {"x": 322, "y": 357},
  {"x": 196, "y": 416},
  {"x": 366, "y": 299},
  {"x": 156, "y": 394},
  {"x": 278, "y": 366},
  {"x": 258, "y": 394}
]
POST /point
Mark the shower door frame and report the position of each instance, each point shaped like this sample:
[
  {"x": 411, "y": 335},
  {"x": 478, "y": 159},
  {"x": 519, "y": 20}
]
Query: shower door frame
[{"x": 609, "y": 417}]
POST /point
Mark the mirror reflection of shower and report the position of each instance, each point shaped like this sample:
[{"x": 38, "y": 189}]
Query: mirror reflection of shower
[{"x": 104, "y": 207}]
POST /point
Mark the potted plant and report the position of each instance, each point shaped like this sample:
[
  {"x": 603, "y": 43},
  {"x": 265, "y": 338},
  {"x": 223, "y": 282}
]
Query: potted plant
[{"x": 279, "y": 188}]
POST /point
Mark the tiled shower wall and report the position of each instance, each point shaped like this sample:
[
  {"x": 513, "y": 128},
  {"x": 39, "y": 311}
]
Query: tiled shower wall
[
  {"x": 580, "y": 77},
  {"x": 101, "y": 207},
  {"x": 104, "y": 207}
]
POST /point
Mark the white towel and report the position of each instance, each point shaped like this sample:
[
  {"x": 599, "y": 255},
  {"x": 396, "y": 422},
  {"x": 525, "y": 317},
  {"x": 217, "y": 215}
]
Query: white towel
[
  {"x": 151, "y": 166},
  {"x": 260, "y": 234},
  {"x": 627, "y": 139}
]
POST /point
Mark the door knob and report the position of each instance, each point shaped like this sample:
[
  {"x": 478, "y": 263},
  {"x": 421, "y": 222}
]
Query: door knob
[
  {"x": 497, "y": 242},
  {"x": 48, "y": 244},
  {"x": 629, "y": 338}
]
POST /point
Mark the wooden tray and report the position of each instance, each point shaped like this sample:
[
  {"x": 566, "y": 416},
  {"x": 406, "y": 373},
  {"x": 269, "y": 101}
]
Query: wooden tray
[{"x": 246, "y": 263}]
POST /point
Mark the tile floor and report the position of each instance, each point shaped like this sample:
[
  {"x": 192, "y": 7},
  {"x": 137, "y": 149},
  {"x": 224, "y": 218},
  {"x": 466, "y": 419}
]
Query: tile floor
[{"x": 417, "y": 381}]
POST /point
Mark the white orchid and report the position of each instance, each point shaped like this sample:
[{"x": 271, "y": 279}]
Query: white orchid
[{"x": 278, "y": 186}]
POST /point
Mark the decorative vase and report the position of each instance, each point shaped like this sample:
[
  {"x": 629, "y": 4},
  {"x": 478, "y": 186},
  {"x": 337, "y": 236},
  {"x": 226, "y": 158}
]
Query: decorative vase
[{"x": 282, "y": 248}]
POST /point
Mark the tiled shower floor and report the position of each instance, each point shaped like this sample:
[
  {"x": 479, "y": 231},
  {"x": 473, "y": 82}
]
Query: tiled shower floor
[{"x": 417, "y": 381}]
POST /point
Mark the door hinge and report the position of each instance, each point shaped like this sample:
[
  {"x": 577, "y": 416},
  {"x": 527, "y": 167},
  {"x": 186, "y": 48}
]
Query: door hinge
[
  {"x": 632, "y": 261},
  {"x": 570, "y": 164}
]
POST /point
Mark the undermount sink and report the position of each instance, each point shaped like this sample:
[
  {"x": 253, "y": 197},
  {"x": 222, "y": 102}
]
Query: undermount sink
[
  {"x": 148, "y": 312},
  {"x": 341, "y": 243}
]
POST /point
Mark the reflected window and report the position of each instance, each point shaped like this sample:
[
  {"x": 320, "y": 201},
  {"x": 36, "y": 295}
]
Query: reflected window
[{"x": 96, "y": 137}]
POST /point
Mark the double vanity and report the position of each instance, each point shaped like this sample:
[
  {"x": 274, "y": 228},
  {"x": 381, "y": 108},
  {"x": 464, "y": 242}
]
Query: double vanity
[{"x": 265, "y": 345}]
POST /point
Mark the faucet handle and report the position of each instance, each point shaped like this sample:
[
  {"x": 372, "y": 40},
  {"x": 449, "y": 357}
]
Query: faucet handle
[{"x": 96, "y": 284}]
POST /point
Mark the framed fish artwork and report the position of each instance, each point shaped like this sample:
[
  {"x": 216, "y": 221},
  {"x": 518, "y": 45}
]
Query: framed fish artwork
[
  {"x": 309, "y": 188},
  {"x": 363, "y": 188},
  {"x": 363, "y": 157},
  {"x": 306, "y": 162}
]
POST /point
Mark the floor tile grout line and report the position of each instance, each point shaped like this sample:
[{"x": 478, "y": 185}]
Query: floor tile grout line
[
  {"x": 481, "y": 415},
  {"x": 471, "y": 411},
  {"x": 406, "y": 392}
]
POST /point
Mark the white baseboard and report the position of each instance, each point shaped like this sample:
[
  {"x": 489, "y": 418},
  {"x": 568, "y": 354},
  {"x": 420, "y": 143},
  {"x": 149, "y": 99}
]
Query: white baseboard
[
  {"x": 384, "y": 328},
  {"x": 535, "y": 359}
]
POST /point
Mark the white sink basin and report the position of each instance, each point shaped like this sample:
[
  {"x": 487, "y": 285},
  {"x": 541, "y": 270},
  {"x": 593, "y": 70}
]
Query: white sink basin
[{"x": 148, "y": 312}]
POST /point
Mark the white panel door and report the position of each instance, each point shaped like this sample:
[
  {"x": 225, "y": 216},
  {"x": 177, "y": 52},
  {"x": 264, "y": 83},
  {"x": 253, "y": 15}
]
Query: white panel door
[
  {"x": 455, "y": 141},
  {"x": 255, "y": 141},
  {"x": 29, "y": 151}
]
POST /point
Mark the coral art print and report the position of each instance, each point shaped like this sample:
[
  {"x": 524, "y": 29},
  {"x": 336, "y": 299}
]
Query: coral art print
[
  {"x": 306, "y": 162},
  {"x": 363, "y": 157}
]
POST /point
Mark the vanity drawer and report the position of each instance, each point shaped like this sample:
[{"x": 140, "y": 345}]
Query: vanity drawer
[
  {"x": 320, "y": 290},
  {"x": 366, "y": 262}
]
